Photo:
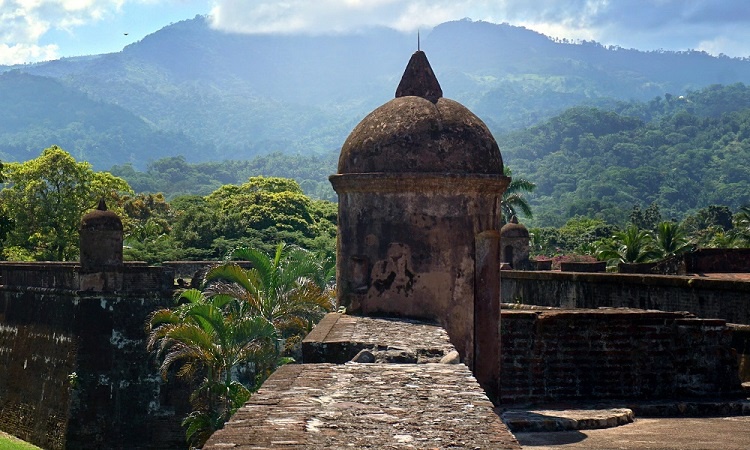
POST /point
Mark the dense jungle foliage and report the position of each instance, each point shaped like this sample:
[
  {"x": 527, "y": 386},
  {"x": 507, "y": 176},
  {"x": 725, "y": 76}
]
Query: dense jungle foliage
[
  {"x": 42, "y": 202},
  {"x": 686, "y": 157},
  {"x": 682, "y": 153}
]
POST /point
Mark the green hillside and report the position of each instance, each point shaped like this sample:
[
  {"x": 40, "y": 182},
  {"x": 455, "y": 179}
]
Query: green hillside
[
  {"x": 682, "y": 153},
  {"x": 208, "y": 95},
  {"x": 38, "y": 112}
]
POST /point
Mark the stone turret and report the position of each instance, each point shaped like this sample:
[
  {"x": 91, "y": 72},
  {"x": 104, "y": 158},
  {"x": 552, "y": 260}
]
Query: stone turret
[
  {"x": 514, "y": 239},
  {"x": 419, "y": 182},
  {"x": 101, "y": 237}
]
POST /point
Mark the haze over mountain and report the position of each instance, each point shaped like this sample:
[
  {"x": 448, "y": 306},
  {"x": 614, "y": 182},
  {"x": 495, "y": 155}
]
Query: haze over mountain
[{"x": 208, "y": 95}]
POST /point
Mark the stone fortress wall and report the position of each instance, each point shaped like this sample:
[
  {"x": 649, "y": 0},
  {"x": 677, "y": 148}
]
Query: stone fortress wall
[{"x": 74, "y": 371}]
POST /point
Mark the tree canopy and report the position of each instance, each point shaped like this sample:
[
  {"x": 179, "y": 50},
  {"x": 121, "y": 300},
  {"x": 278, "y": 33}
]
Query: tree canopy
[{"x": 46, "y": 197}]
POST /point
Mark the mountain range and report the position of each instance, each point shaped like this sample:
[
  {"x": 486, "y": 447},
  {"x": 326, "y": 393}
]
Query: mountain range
[{"x": 208, "y": 95}]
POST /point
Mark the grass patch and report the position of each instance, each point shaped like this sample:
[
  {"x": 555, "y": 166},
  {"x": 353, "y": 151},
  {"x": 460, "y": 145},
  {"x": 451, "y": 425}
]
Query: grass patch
[{"x": 8, "y": 442}]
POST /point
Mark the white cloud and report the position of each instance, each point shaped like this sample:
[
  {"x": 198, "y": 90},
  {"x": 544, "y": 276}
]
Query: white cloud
[
  {"x": 644, "y": 24},
  {"x": 31, "y": 30},
  {"x": 21, "y": 53},
  {"x": 23, "y": 23},
  {"x": 331, "y": 16}
]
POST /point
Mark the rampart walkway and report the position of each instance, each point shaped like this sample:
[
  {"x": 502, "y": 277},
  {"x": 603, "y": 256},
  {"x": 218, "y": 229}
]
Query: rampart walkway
[{"x": 419, "y": 404}]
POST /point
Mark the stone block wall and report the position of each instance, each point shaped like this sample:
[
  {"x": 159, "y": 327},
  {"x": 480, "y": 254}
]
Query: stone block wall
[
  {"x": 401, "y": 402},
  {"x": 613, "y": 354},
  {"x": 705, "y": 297},
  {"x": 74, "y": 371},
  {"x": 718, "y": 260},
  {"x": 741, "y": 344}
]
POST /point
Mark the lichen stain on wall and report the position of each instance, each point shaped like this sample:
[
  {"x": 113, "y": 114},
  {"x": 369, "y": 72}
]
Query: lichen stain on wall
[{"x": 35, "y": 363}]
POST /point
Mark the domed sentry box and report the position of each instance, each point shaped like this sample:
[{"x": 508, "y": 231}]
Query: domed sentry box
[
  {"x": 420, "y": 181},
  {"x": 101, "y": 240},
  {"x": 514, "y": 240}
]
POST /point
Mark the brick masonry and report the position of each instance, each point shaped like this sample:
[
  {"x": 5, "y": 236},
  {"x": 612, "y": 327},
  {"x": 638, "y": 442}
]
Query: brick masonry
[
  {"x": 613, "y": 354},
  {"x": 705, "y": 297}
]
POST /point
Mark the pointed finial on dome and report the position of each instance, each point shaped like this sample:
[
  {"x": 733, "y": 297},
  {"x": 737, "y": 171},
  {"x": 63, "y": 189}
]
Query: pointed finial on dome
[
  {"x": 419, "y": 79},
  {"x": 102, "y": 206}
]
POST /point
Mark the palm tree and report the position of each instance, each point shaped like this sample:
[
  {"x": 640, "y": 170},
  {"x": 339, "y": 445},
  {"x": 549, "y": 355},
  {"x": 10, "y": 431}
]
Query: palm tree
[
  {"x": 742, "y": 224},
  {"x": 292, "y": 290},
  {"x": 513, "y": 198},
  {"x": 210, "y": 336},
  {"x": 671, "y": 239},
  {"x": 238, "y": 319},
  {"x": 630, "y": 246}
]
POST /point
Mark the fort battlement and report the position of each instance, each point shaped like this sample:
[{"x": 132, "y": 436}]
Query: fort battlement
[{"x": 74, "y": 370}]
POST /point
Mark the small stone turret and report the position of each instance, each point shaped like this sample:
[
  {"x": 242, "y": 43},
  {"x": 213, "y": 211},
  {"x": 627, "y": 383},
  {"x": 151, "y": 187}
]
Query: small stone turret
[
  {"x": 514, "y": 240},
  {"x": 101, "y": 237}
]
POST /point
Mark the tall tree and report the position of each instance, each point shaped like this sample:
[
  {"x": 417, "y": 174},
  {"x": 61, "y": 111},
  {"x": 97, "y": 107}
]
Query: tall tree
[
  {"x": 46, "y": 198},
  {"x": 513, "y": 199}
]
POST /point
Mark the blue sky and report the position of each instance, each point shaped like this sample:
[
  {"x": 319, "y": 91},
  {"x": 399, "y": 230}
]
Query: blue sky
[{"x": 37, "y": 30}]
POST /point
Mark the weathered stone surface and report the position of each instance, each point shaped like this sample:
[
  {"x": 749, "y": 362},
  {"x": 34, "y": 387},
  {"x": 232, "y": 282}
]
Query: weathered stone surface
[
  {"x": 74, "y": 370},
  {"x": 451, "y": 358},
  {"x": 515, "y": 245},
  {"x": 419, "y": 79},
  {"x": 367, "y": 406},
  {"x": 418, "y": 180},
  {"x": 519, "y": 420},
  {"x": 705, "y": 297},
  {"x": 101, "y": 236},
  {"x": 559, "y": 355},
  {"x": 338, "y": 338},
  {"x": 415, "y": 135}
]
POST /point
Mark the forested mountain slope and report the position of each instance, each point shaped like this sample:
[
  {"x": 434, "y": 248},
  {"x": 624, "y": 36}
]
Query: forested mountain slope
[
  {"x": 194, "y": 91},
  {"x": 682, "y": 153},
  {"x": 38, "y": 112}
]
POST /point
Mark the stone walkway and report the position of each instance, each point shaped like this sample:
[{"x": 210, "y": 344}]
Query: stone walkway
[
  {"x": 367, "y": 406},
  {"x": 685, "y": 433}
]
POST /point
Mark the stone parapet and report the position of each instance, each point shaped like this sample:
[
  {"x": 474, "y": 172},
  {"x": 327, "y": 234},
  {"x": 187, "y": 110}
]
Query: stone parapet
[
  {"x": 338, "y": 338},
  {"x": 564, "y": 355},
  {"x": 132, "y": 277},
  {"x": 707, "y": 297}
]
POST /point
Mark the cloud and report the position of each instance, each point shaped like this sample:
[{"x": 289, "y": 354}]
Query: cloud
[
  {"x": 33, "y": 30},
  {"x": 23, "y": 23},
  {"x": 643, "y": 24},
  {"x": 332, "y": 16}
]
